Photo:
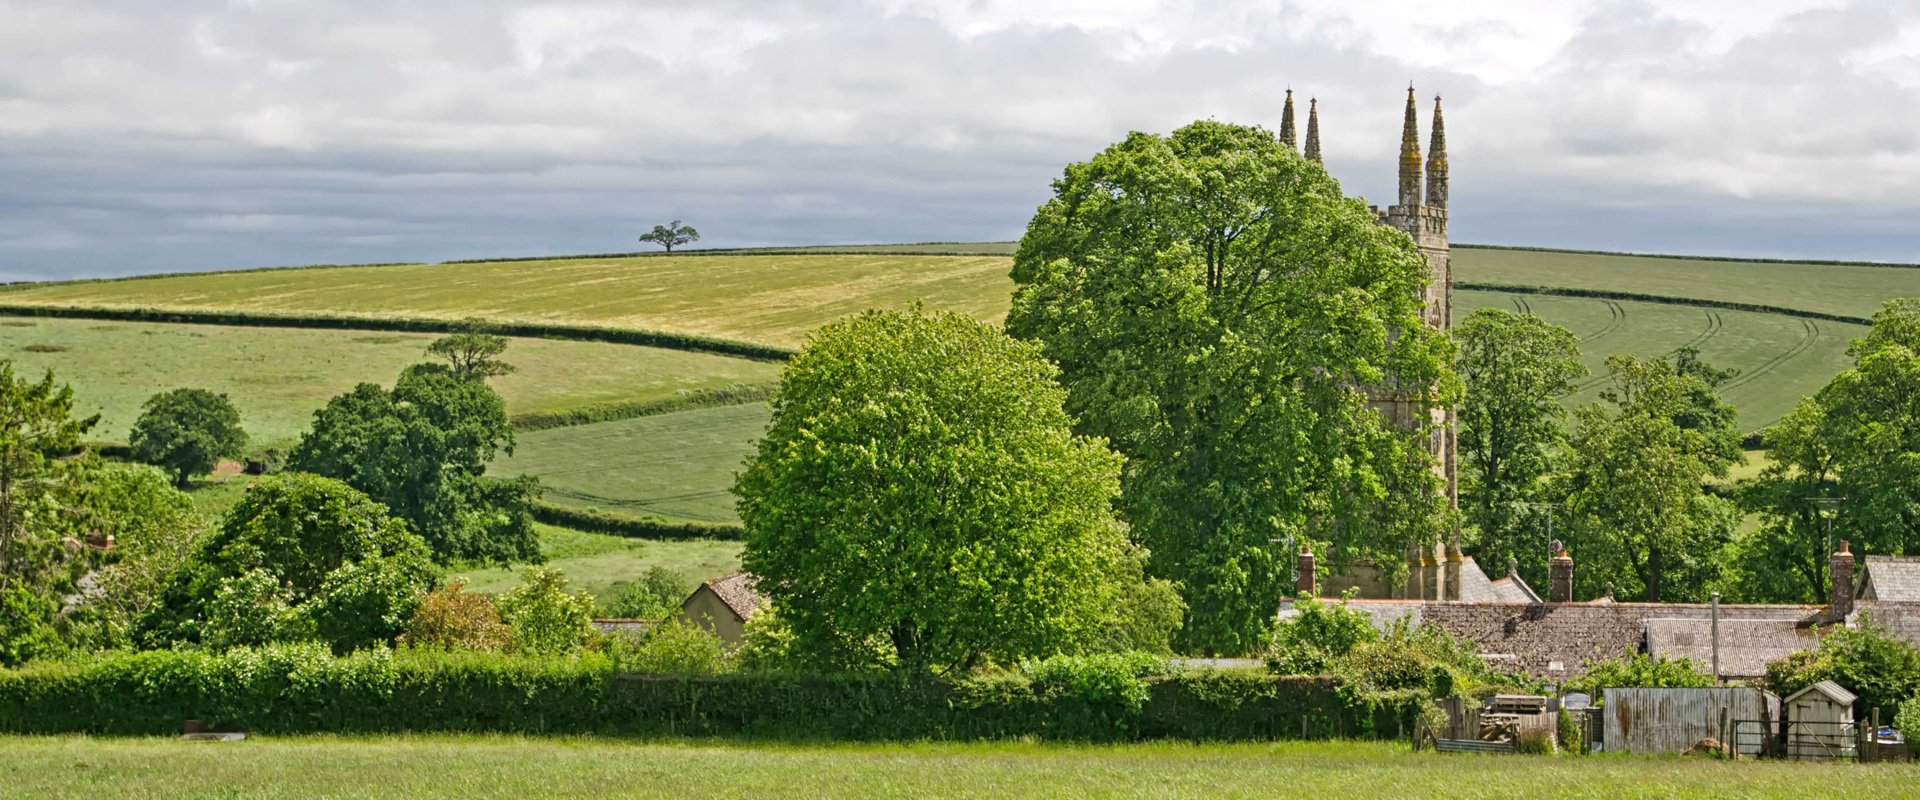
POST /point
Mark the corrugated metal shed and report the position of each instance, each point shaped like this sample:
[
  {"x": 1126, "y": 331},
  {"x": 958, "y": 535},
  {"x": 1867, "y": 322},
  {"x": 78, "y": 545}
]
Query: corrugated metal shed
[{"x": 1672, "y": 720}]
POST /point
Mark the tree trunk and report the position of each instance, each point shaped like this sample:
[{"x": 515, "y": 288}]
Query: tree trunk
[{"x": 182, "y": 481}]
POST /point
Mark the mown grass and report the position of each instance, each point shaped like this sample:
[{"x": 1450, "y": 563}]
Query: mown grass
[
  {"x": 678, "y": 465},
  {"x": 278, "y": 377},
  {"x": 476, "y": 768},
  {"x": 603, "y": 565}
]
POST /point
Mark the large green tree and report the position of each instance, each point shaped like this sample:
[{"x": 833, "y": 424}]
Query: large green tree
[
  {"x": 1220, "y": 311},
  {"x": 188, "y": 431},
  {"x": 300, "y": 556},
  {"x": 1514, "y": 368},
  {"x": 1858, "y": 439},
  {"x": 1637, "y": 514},
  {"x": 44, "y": 542},
  {"x": 921, "y": 501},
  {"x": 472, "y": 350},
  {"x": 422, "y": 449}
]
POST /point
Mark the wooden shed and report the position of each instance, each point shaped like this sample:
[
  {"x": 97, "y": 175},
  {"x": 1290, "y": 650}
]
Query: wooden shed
[{"x": 1820, "y": 723}]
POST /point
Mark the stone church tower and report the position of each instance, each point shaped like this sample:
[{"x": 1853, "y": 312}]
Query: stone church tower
[{"x": 1434, "y": 570}]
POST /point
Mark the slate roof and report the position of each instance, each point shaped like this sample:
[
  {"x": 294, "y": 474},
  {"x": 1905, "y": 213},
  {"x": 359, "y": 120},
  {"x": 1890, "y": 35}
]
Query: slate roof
[
  {"x": 1832, "y": 690},
  {"x": 736, "y": 591},
  {"x": 1746, "y": 645},
  {"x": 1894, "y": 579}
]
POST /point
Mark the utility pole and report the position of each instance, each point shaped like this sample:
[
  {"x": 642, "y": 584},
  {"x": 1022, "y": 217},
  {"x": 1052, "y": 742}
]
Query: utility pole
[
  {"x": 1829, "y": 506},
  {"x": 1549, "y": 507}
]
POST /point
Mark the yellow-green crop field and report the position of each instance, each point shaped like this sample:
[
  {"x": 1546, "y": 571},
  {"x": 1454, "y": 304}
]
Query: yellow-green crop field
[{"x": 478, "y": 768}]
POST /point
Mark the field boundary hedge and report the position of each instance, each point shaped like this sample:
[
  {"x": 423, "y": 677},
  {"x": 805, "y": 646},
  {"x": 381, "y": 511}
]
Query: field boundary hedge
[
  {"x": 534, "y": 330},
  {"x": 1563, "y": 291},
  {"x": 14, "y": 286},
  {"x": 614, "y": 411},
  {"x": 296, "y": 690},
  {"x": 593, "y": 520},
  {"x": 1731, "y": 259},
  {"x": 815, "y": 250}
]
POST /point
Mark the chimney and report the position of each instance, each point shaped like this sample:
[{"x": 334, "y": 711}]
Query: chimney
[
  {"x": 1304, "y": 565},
  {"x": 1842, "y": 576},
  {"x": 1561, "y": 572}
]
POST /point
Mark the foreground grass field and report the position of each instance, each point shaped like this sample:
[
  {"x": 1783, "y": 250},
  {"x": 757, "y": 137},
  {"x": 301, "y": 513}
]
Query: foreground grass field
[
  {"x": 278, "y": 376},
  {"x": 603, "y": 565},
  {"x": 475, "y": 768}
]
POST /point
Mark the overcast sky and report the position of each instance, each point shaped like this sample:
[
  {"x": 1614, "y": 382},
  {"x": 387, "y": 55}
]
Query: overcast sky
[{"x": 142, "y": 136}]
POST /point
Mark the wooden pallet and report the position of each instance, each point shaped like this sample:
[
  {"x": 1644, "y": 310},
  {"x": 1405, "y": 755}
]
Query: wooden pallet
[{"x": 1471, "y": 746}]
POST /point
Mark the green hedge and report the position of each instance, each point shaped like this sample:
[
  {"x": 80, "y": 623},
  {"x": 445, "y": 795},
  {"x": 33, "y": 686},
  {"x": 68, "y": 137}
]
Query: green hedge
[
  {"x": 302, "y": 689},
  {"x": 594, "y": 520},
  {"x": 736, "y": 394},
  {"x": 585, "y": 333},
  {"x": 1562, "y": 291},
  {"x": 805, "y": 250}
]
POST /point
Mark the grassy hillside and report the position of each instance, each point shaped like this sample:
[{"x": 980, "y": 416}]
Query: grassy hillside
[
  {"x": 277, "y": 376},
  {"x": 673, "y": 465}
]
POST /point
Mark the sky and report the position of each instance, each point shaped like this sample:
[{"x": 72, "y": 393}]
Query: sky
[{"x": 140, "y": 137}]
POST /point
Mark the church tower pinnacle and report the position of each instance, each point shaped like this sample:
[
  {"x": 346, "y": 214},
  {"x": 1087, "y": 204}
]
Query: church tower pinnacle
[
  {"x": 1437, "y": 160},
  {"x": 1286, "y": 121},
  {"x": 1313, "y": 130},
  {"x": 1410, "y": 155}
]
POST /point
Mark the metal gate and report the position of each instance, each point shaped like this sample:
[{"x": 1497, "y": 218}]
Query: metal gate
[{"x": 1801, "y": 741}]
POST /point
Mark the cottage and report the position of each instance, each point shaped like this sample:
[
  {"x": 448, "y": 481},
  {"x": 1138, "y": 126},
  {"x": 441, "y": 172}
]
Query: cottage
[{"x": 723, "y": 605}]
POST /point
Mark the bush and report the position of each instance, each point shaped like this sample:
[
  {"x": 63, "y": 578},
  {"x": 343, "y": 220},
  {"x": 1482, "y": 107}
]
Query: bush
[
  {"x": 451, "y": 619},
  {"x": 1907, "y": 722},
  {"x": 1572, "y": 735},
  {"x": 1308, "y": 642},
  {"x": 1117, "y": 679},
  {"x": 1636, "y": 669},
  {"x": 543, "y": 616},
  {"x": 248, "y": 610},
  {"x": 1878, "y": 667},
  {"x": 657, "y": 595},
  {"x": 675, "y": 647}
]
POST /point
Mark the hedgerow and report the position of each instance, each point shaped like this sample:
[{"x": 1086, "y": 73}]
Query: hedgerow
[
  {"x": 593, "y": 520},
  {"x": 1563, "y": 291},
  {"x": 1733, "y": 259},
  {"x": 537, "y": 330},
  {"x": 735, "y": 394},
  {"x": 303, "y": 688}
]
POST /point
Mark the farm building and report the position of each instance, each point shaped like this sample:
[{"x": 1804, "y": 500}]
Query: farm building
[
  {"x": 1820, "y": 723},
  {"x": 723, "y": 605},
  {"x": 1557, "y": 638}
]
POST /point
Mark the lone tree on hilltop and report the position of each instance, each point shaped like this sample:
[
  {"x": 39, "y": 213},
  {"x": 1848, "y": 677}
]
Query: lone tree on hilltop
[
  {"x": 188, "y": 431},
  {"x": 471, "y": 348},
  {"x": 1218, "y": 309},
  {"x": 671, "y": 235},
  {"x": 921, "y": 501}
]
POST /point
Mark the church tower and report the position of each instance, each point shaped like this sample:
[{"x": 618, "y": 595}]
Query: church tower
[{"x": 1434, "y": 570}]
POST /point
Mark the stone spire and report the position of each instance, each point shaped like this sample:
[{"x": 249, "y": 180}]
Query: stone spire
[
  {"x": 1410, "y": 155},
  {"x": 1313, "y": 130},
  {"x": 1286, "y": 121},
  {"x": 1437, "y": 160}
]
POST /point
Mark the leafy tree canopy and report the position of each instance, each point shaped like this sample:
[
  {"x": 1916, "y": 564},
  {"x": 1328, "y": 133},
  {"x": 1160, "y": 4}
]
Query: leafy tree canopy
[
  {"x": 300, "y": 555},
  {"x": 188, "y": 431},
  {"x": 472, "y": 350},
  {"x": 1514, "y": 369},
  {"x": 1217, "y": 306},
  {"x": 423, "y": 449},
  {"x": 671, "y": 235},
  {"x": 920, "y": 500}
]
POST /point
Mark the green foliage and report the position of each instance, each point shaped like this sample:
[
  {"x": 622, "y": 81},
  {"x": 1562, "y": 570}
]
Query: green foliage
[
  {"x": 1117, "y": 679},
  {"x": 657, "y": 595},
  {"x": 543, "y": 616},
  {"x": 26, "y": 629},
  {"x": 251, "y": 609},
  {"x": 597, "y": 521},
  {"x": 423, "y": 449},
  {"x": 1573, "y": 735},
  {"x": 36, "y": 425},
  {"x": 671, "y": 235},
  {"x": 1907, "y": 722},
  {"x": 1880, "y": 668},
  {"x": 1216, "y": 305},
  {"x": 1318, "y": 633},
  {"x": 1638, "y": 516},
  {"x": 920, "y": 489},
  {"x": 1513, "y": 368},
  {"x": 303, "y": 688},
  {"x": 674, "y": 647},
  {"x": 332, "y": 555},
  {"x": 471, "y": 350},
  {"x": 155, "y": 529},
  {"x": 188, "y": 431},
  {"x": 1633, "y": 669},
  {"x": 1410, "y": 664},
  {"x": 450, "y": 618}
]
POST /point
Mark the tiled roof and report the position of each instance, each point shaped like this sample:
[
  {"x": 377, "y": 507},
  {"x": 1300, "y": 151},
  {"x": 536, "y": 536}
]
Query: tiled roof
[
  {"x": 736, "y": 591},
  {"x": 1890, "y": 579},
  {"x": 1746, "y": 645}
]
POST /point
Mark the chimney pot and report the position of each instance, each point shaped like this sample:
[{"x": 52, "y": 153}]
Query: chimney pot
[
  {"x": 1304, "y": 564},
  {"x": 1560, "y": 571}
]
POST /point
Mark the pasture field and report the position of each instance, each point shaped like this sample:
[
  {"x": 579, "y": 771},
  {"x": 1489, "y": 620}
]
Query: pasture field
[
  {"x": 603, "y": 565},
  {"x": 279, "y": 376},
  {"x": 481, "y": 767},
  {"x": 678, "y": 465}
]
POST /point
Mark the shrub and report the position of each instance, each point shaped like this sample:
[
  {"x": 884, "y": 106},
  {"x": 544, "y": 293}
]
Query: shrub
[
  {"x": 248, "y": 610},
  {"x": 1308, "y": 642},
  {"x": 1870, "y": 661},
  {"x": 25, "y": 629},
  {"x": 1636, "y": 669},
  {"x": 1572, "y": 735},
  {"x": 452, "y": 619},
  {"x": 1907, "y": 722},
  {"x": 657, "y": 595},
  {"x": 675, "y": 647},
  {"x": 1116, "y": 679},
  {"x": 543, "y": 616}
]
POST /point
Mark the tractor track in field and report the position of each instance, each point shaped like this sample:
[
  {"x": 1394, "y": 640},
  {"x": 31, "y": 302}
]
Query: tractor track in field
[
  {"x": 1521, "y": 304},
  {"x": 1714, "y": 324},
  {"x": 1810, "y": 334},
  {"x": 1619, "y": 318}
]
